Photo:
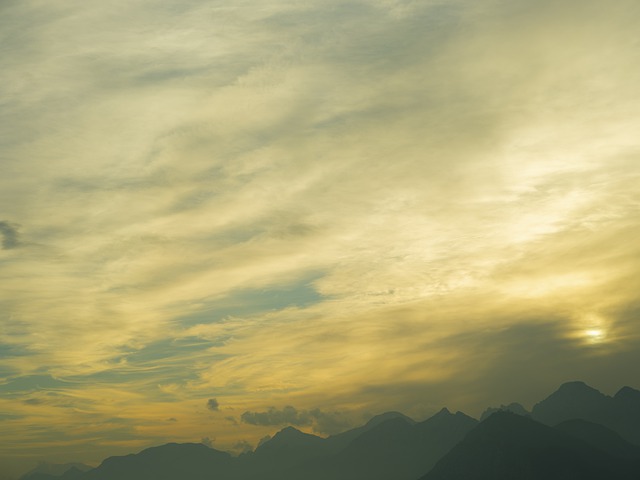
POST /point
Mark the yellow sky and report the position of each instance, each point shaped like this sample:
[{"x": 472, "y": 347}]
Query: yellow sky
[{"x": 342, "y": 207}]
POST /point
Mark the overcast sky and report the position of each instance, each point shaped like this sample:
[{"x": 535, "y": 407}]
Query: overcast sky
[{"x": 221, "y": 217}]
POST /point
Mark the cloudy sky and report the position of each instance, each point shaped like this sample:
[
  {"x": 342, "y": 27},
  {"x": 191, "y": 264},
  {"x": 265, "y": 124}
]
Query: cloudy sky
[{"x": 221, "y": 217}]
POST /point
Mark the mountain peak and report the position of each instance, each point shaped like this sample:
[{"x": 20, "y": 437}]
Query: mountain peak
[
  {"x": 508, "y": 445},
  {"x": 577, "y": 389},
  {"x": 289, "y": 437},
  {"x": 627, "y": 393},
  {"x": 575, "y": 386},
  {"x": 512, "y": 407},
  {"x": 383, "y": 417},
  {"x": 571, "y": 400},
  {"x": 289, "y": 432}
]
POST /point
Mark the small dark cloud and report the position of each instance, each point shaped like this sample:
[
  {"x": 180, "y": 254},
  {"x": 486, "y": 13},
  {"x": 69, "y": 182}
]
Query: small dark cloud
[
  {"x": 329, "y": 422},
  {"x": 33, "y": 401},
  {"x": 213, "y": 405},
  {"x": 172, "y": 419},
  {"x": 231, "y": 420},
  {"x": 287, "y": 416},
  {"x": 9, "y": 232},
  {"x": 9, "y": 416},
  {"x": 322, "y": 422},
  {"x": 207, "y": 442},
  {"x": 242, "y": 447}
]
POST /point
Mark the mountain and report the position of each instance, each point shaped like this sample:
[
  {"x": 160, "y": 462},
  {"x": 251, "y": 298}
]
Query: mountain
[
  {"x": 572, "y": 400},
  {"x": 397, "y": 449},
  {"x": 46, "y": 471},
  {"x": 507, "y": 446},
  {"x": 627, "y": 420},
  {"x": 512, "y": 407},
  {"x": 576, "y": 432},
  {"x": 341, "y": 440},
  {"x": 600, "y": 437},
  {"x": 172, "y": 461},
  {"x": 287, "y": 449},
  {"x": 389, "y": 446}
]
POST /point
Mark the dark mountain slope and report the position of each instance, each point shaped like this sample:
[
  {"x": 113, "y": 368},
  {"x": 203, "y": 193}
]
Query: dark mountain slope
[
  {"x": 600, "y": 437},
  {"x": 189, "y": 461},
  {"x": 507, "y": 446},
  {"x": 395, "y": 449},
  {"x": 287, "y": 449},
  {"x": 627, "y": 419},
  {"x": 572, "y": 400},
  {"x": 341, "y": 440},
  {"x": 620, "y": 413},
  {"x": 46, "y": 471},
  {"x": 512, "y": 407}
]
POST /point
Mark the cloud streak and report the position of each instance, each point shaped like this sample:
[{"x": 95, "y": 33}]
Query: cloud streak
[
  {"x": 320, "y": 421},
  {"x": 9, "y": 234},
  {"x": 308, "y": 205}
]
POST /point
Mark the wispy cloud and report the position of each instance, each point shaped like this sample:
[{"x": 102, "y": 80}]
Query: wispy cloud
[
  {"x": 9, "y": 232},
  {"x": 308, "y": 204}
]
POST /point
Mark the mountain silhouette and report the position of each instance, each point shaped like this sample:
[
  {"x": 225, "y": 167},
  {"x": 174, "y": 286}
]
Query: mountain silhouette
[
  {"x": 508, "y": 446},
  {"x": 627, "y": 418},
  {"x": 48, "y": 471},
  {"x": 600, "y": 437},
  {"x": 398, "y": 449},
  {"x": 341, "y": 440},
  {"x": 285, "y": 450},
  {"x": 572, "y": 400},
  {"x": 172, "y": 461},
  {"x": 575, "y": 433},
  {"x": 512, "y": 407}
]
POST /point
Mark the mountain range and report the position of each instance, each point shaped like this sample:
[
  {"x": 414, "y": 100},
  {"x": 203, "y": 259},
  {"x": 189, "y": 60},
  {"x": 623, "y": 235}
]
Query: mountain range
[{"x": 575, "y": 433}]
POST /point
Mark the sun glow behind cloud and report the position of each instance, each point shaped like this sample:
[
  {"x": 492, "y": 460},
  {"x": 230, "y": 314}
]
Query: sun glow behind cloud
[{"x": 339, "y": 206}]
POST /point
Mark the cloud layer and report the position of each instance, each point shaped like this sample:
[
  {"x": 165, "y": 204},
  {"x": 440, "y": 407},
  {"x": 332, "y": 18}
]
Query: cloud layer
[{"x": 358, "y": 205}]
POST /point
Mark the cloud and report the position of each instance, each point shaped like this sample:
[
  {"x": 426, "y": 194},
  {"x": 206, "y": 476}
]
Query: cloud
[
  {"x": 207, "y": 442},
  {"x": 10, "y": 237},
  {"x": 322, "y": 422},
  {"x": 311, "y": 204},
  {"x": 273, "y": 416},
  {"x": 212, "y": 404},
  {"x": 242, "y": 447}
]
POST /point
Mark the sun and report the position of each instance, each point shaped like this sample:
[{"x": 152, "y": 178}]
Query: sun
[
  {"x": 593, "y": 329},
  {"x": 595, "y": 334}
]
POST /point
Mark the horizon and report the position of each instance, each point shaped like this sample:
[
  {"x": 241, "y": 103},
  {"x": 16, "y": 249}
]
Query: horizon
[
  {"x": 220, "y": 218},
  {"x": 207, "y": 443}
]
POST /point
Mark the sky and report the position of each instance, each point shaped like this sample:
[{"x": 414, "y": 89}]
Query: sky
[{"x": 219, "y": 218}]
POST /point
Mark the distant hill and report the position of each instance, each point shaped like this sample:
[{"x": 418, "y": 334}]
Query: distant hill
[
  {"x": 600, "y": 437},
  {"x": 575, "y": 433},
  {"x": 287, "y": 449},
  {"x": 572, "y": 400},
  {"x": 507, "y": 446},
  {"x": 341, "y": 440},
  {"x": 168, "y": 462},
  {"x": 48, "y": 471},
  {"x": 389, "y": 446},
  {"x": 397, "y": 448},
  {"x": 512, "y": 407}
]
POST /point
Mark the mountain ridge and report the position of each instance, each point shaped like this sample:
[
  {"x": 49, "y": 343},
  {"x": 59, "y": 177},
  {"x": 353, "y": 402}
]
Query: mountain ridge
[{"x": 573, "y": 426}]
